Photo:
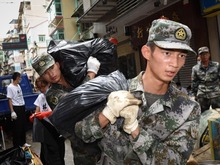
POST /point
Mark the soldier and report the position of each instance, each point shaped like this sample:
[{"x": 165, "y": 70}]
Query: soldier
[
  {"x": 153, "y": 122},
  {"x": 205, "y": 81},
  {"x": 54, "y": 148}
]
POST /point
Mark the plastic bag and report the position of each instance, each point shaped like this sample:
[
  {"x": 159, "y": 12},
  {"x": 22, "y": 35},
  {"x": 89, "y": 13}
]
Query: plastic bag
[
  {"x": 85, "y": 99},
  {"x": 37, "y": 134},
  {"x": 13, "y": 156},
  {"x": 73, "y": 56}
]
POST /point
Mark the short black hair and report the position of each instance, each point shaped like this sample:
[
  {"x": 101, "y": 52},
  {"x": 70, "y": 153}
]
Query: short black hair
[{"x": 15, "y": 75}]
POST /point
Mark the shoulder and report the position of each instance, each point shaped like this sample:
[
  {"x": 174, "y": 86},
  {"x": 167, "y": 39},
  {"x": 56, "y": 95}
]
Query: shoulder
[
  {"x": 214, "y": 63},
  {"x": 41, "y": 96},
  {"x": 183, "y": 100},
  {"x": 196, "y": 67},
  {"x": 10, "y": 86}
]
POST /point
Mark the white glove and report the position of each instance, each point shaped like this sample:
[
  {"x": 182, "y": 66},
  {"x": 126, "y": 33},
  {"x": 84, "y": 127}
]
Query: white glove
[
  {"x": 117, "y": 101},
  {"x": 93, "y": 65},
  {"x": 130, "y": 114},
  {"x": 13, "y": 115}
]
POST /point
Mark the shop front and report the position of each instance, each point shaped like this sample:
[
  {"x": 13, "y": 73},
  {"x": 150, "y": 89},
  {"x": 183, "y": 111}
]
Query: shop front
[{"x": 189, "y": 14}]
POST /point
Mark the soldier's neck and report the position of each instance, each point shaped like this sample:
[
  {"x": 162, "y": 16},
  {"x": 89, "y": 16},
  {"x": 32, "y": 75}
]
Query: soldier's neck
[{"x": 63, "y": 82}]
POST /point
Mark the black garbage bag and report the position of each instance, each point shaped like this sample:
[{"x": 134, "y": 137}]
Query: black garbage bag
[
  {"x": 73, "y": 56},
  {"x": 85, "y": 99},
  {"x": 13, "y": 156}
]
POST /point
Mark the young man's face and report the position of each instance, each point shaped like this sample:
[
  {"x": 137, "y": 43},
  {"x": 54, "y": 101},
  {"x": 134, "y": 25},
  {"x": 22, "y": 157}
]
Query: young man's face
[
  {"x": 18, "y": 79},
  {"x": 204, "y": 57},
  {"x": 52, "y": 74},
  {"x": 164, "y": 64}
]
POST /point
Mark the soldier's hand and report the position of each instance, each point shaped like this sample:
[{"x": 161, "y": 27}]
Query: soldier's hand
[
  {"x": 93, "y": 65},
  {"x": 130, "y": 114},
  {"x": 117, "y": 101}
]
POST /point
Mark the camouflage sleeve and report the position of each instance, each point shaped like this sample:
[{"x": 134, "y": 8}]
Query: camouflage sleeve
[
  {"x": 175, "y": 149},
  {"x": 87, "y": 78},
  {"x": 53, "y": 96},
  {"x": 89, "y": 129},
  {"x": 194, "y": 81}
]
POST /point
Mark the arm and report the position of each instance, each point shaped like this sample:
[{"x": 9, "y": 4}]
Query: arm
[
  {"x": 10, "y": 105},
  {"x": 13, "y": 113},
  {"x": 194, "y": 82},
  {"x": 176, "y": 147},
  {"x": 37, "y": 109},
  {"x": 90, "y": 128},
  {"x": 92, "y": 68}
]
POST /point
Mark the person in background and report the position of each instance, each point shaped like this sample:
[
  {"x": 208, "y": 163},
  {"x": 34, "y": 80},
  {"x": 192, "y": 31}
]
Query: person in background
[
  {"x": 49, "y": 70},
  {"x": 179, "y": 86},
  {"x": 205, "y": 81},
  {"x": 152, "y": 122},
  {"x": 17, "y": 106},
  {"x": 189, "y": 91},
  {"x": 198, "y": 59},
  {"x": 41, "y": 107}
]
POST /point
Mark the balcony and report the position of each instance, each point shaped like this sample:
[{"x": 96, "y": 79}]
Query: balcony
[
  {"x": 56, "y": 23},
  {"x": 78, "y": 12},
  {"x": 132, "y": 12},
  {"x": 96, "y": 12}
]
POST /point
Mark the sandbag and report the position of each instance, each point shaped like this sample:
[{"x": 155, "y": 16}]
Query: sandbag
[
  {"x": 73, "y": 56},
  {"x": 85, "y": 99}
]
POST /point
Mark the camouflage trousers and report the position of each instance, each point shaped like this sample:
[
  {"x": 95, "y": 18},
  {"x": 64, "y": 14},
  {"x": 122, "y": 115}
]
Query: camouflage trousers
[{"x": 205, "y": 103}]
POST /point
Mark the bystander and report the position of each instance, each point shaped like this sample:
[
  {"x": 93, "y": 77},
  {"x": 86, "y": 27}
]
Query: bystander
[
  {"x": 205, "y": 81},
  {"x": 17, "y": 107}
]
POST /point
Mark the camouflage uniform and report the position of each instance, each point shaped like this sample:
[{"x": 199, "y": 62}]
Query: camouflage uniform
[
  {"x": 206, "y": 85},
  {"x": 83, "y": 154},
  {"x": 168, "y": 130}
]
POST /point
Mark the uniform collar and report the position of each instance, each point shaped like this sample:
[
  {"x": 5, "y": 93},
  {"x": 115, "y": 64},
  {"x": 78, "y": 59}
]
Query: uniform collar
[{"x": 136, "y": 86}]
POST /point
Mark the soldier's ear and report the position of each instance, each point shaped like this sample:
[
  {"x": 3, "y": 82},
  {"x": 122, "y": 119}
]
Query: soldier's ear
[
  {"x": 146, "y": 51},
  {"x": 58, "y": 64}
]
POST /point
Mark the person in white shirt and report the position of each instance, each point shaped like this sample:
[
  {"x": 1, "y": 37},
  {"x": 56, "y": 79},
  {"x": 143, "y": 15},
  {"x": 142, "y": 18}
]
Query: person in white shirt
[
  {"x": 41, "y": 102},
  {"x": 17, "y": 107}
]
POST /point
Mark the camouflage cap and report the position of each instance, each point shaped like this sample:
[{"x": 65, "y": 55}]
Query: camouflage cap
[
  {"x": 42, "y": 63},
  {"x": 169, "y": 34},
  {"x": 203, "y": 49}
]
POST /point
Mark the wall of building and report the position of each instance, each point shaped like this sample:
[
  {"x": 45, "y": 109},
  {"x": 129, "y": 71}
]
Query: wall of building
[
  {"x": 70, "y": 29},
  {"x": 213, "y": 24},
  {"x": 188, "y": 14}
]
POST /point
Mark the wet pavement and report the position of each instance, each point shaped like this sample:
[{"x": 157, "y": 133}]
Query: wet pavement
[{"x": 35, "y": 146}]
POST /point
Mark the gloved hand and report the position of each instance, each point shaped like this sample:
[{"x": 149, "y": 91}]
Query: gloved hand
[
  {"x": 117, "y": 101},
  {"x": 41, "y": 115},
  {"x": 13, "y": 115},
  {"x": 93, "y": 65},
  {"x": 31, "y": 118},
  {"x": 130, "y": 114}
]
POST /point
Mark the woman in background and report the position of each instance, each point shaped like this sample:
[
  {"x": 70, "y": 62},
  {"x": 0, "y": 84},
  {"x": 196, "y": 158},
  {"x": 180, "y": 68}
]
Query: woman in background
[{"x": 42, "y": 108}]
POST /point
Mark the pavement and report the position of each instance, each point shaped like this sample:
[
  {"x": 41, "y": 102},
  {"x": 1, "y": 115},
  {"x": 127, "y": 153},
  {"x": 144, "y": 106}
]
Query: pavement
[{"x": 35, "y": 146}]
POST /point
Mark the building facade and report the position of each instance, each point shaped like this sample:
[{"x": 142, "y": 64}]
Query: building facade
[{"x": 129, "y": 22}]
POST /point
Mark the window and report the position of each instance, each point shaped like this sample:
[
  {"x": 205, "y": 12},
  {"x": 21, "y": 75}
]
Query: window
[
  {"x": 41, "y": 38},
  {"x": 58, "y": 7},
  {"x": 58, "y": 35},
  {"x": 27, "y": 5}
]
